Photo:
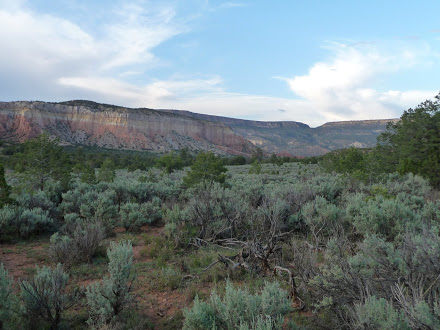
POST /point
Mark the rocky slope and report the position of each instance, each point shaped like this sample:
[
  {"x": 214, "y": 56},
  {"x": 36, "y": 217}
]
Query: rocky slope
[
  {"x": 89, "y": 123},
  {"x": 298, "y": 139}
]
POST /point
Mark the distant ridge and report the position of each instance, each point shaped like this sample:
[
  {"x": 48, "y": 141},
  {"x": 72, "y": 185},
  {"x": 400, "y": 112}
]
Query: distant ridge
[
  {"x": 359, "y": 122},
  {"x": 299, "y": 139},
  {"x": 86, "y": 122}
]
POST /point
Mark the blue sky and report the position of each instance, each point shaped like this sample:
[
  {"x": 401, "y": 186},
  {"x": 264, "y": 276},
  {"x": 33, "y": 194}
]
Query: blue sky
[{"x": 310, "y": 61}]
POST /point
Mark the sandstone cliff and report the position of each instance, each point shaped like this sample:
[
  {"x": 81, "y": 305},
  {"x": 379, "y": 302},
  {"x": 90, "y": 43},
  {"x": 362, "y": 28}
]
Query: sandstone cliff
[{"x": 89, "y": 123}]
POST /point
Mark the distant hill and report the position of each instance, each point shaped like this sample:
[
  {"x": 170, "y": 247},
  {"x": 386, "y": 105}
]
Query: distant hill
[
  {"x": 90, "y": 123},
  {"x": 299, "y": 139}
]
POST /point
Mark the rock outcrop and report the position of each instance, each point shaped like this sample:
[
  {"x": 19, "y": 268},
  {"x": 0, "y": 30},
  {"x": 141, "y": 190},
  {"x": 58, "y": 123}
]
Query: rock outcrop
[{"x": 89, "y": 123}]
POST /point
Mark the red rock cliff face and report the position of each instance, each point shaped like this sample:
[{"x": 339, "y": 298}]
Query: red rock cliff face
[{"x": 115, "y": 127}]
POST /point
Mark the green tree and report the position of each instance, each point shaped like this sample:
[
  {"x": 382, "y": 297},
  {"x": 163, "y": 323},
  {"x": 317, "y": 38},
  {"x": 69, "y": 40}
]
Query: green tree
[
  {"x": 88, "y": 174},
  {"x": 413, "y": 143},
  {"x": 255, "y": 167},
  {"x": 169, "y": 162},
  {"x": 274, "y": 159},
  {"x": 207, "y": 168},
  {"x": 345, "y": 161},
  {"x": 5, "y": 189},
  {"x": 257, "y": 154},
  {"x": 186, "y": 156},
  {"x": 237, "y": 160},
  {"x": 43, "y": 159},
  {"x": 107, "y": 171}
]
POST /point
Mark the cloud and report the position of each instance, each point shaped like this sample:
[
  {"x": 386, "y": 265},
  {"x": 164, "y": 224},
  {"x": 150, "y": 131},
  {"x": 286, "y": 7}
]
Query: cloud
[
  {"x": 232, "y": 5},
  {"x": 342, "y": 87},
  {"x": 138, "y": 31},
  {"x": 158, "y": 94},
  {"x": 39, "y": 49},
  {"x": 226, "y": 5}
]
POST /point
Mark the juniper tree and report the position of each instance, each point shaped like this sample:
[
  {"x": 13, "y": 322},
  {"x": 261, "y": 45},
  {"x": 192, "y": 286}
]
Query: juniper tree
[
  {"x": 43, "y": 159},
  {"x": 107, "y": 171},
  {"x": 206, "y": 169},
  {"x": 5, "y": 189}
]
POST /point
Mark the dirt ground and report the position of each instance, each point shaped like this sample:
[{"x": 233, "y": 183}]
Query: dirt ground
[{"x": 158, "y": 305}]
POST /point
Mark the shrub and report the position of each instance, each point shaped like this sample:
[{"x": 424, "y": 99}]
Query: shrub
[
  {"x": 239, "y": 307},
  {"x": 80, "y": 243},
  {"x": 159, "y": 248},
  {"x": 7, "y": 300},
  {"x": 171, "y": 278},
  {"x": 63, "y": 250},
  {"x": 109, "y": 297},
  {"x": 87, "y": 239},
  {"x": 215, "y": 211},
  {"x": 388, "y": 218},
  {"x": 92, "y": 205},
  {"x": 176, "y": 226},
  {"x": 18, "y": 221},
  {"x": 322, "y": 218},
  {"x": 44, "y": 296},
  {"x": 378, "y": 314},
  {"x": 134, "y": 215}
]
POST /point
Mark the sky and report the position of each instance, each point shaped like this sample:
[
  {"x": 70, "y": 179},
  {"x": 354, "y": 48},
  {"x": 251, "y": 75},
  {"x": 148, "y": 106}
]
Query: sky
[{"x": 308, "y": 61}]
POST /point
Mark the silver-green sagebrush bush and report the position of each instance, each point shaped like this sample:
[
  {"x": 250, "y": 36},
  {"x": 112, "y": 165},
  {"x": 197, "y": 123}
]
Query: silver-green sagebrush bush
[
  {"x": 108, "y": 298},
  {"x": 405, "y": 272},
  {"x": 177, "y": 227},
  {"x": 91, "y": 205},
  {"x": 134, "y": 215},
  {"x": 78, "y": 244},
  {"x": 239, "y": 308},
  {"x": 378, "y": 314},
  {"x": 16, "y": 221},
  {"x": 323, "y": 219},
  {"x": 212, "y": 209},
  {"x": 44, "y": 297},
  {"x": 8, "y": 301}
]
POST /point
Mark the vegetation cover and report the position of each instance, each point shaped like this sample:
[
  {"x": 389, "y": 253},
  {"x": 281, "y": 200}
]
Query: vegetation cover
[{"x": 348, "y": 240}]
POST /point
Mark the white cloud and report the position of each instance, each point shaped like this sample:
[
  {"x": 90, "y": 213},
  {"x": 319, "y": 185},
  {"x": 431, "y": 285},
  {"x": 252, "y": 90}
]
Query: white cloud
[
  {"x": 131, "y": 40},
  {"x": 230, "y": 4},
  {"x": 39, "y": 49},
  {"x": 158, "y": 94},
  {"x": 342, "y": 88}
]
